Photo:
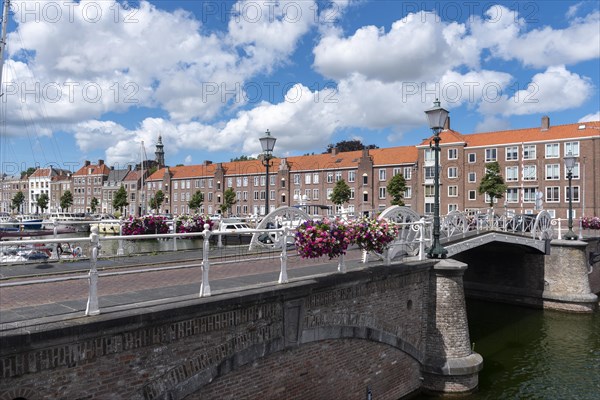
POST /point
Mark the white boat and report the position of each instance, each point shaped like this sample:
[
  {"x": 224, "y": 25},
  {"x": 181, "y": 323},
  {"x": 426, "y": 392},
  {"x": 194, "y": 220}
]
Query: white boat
[
  {"x": 236, "y": 231},
  {"x": 30, "y": 222},
  {"x": 8, "y": 223},
  {"x": 107, "y": 224},
  {"x": 17, "y": 254},
  {"x": 78, "y": 222}
]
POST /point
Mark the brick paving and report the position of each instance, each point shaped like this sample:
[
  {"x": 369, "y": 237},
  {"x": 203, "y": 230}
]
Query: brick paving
[{"x": 68, "y": 298}]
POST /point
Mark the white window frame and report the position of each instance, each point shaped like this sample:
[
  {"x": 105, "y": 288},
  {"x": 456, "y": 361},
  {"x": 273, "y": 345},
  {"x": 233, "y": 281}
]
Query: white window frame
[
  {"x": 552, "y": 150},
  {"x": 513, "y": 152},
  {"x": 511, "y": 173},
  {"x": 452, "y": 191},
  {"x": 573, "y": 147},
  {"x": 452, "y": 154},
  {"x": 529, "y": 152},
  {"x": 491, "y": 154}
]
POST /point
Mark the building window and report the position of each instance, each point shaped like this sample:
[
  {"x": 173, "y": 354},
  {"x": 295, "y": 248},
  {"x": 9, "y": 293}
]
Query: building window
[
  {"x": 407, "y": 173},
  {"x": 512, "y": 153},
  {"x": 575, "y": 194},
  {"x": 351, "y": 176},
  {"x": 572, "y": 147},
  {"x": 365, "y": 196},
  {"x": 296, "y": 179},
  {"x": 472, "y": 195},
  {"x": 382, "y": 175},
  {"x": 229, "y": 182},
  {"x": 452, "y": 154},
  {"x": 472, "y": 177},
  {"x": 282, "y": 182},
  {"x": 429, "y": 191},
  {"x": 452, "y": 191},
  {"x": 529, "y": 152},
  {"x": 452, "y": 207},
  {"x": 351, "y": 193},
  {"x": 365, "y": 179},
  {"x": 382, "y": 192},
  {"x": 512, "y": 195},
  {"x": 330, "y": 177},
  {"x": 408, "y": 193},
  {"x": 574, "y": 171},
  {"x": 529, "y": 195},
  {"x": 429, "y": 155},
  {"x": 552, "y": 150},
  {"x": 307, "y": 179},
  {"x": 245, "y": 181},
  {"x": 552, "y": 172},
  {"x": 256, "y": 195},
  {"x": 490, "y": 155},
  {"x": 315, "y": 194},
  {"x": 512, "y": 174},
  {"x": 529, "y": 173},
  {"x": 316, "y": 178},
  {"x": 552, "y": 194},
  {"x": 395, "y": 171},
  {"x": 429, "y": 172},
  {"x": 452, "y": 172},
  {"x": 329, "y": 192},
  {"x": 257, "y": 181},
  {"x": 472, "y": 158}
]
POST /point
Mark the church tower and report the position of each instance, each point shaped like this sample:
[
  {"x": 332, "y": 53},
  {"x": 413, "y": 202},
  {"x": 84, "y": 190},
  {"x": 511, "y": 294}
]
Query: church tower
[{"x": 160, "y": 153}]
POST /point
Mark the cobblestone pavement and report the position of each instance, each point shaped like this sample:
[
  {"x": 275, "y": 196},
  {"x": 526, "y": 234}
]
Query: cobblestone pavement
[{"x": 133, "y": 283}]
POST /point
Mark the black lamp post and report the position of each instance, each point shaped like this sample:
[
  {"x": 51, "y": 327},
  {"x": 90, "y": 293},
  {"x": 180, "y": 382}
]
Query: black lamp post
[
  {"x": 267, "y": 143},
  {"x": 437, "y": 117},
  {"x": 569, "y": 164}
]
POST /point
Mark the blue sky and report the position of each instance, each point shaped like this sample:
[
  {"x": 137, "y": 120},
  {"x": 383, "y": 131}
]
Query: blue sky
[{"x": 92, "y": 80}]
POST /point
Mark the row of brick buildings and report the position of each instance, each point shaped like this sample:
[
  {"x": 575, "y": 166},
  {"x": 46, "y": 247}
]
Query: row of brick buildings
[{"x": 531, "y": 163}]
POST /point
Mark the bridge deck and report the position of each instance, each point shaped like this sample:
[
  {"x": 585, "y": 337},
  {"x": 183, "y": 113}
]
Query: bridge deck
[{"x": 38, "y": 304}]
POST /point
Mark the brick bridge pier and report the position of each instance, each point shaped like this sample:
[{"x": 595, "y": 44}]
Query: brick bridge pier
[{"x": 386, "y": 330}]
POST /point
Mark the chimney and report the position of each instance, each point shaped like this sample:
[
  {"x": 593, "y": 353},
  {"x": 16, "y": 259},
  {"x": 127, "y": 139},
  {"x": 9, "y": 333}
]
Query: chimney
[
  {"x": 447, "y": 124},
  {"x": 207, "y": 162},
  {"x": 86, "y": 164},
  {"x": 100, "y": 162},
  {"x": 334, "y": 151},
  {"x": 545, "y": 123},
  {"x": 129, "y": 167}
]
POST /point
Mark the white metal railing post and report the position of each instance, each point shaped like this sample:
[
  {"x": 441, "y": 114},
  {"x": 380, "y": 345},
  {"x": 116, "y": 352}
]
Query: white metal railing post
[
  {"x": 174, "y": 230},
  {"x": 580, "y": 236},
  {"x": 205, "y": 286},
  {"x": 55, "y": 255},
  {"x": 220, "y": 241},
  {"x": 92, "y": 303},
  {"x": 559, "y": 229},
  {"x": 365, "y": 256},
  {"x": 120, "y": 250},
  {"x": 283, "y": 277},
  {"x": 342, "y": 265},
  {"x": 421, "y": 226}
]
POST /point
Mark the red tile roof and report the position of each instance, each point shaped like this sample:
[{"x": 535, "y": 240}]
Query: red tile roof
[{"x": 95, "y": 170}]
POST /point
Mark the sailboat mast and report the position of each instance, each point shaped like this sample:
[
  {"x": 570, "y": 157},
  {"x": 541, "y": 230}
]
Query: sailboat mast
[{"x": 3, "y": 40}]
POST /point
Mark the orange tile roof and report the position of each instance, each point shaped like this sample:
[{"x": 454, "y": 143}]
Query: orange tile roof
[
  {"x": 41, "y": 173},
  {"x": 96, "y": 170},
  {"x": 558, "y": 132}
]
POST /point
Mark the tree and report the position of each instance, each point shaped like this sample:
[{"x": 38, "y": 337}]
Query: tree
[
  {"x": 42, "y": 202},
  {"x": 157, "y": 200},
  {"x": 18, "y": 200},
  {"x": 196, "y": 201},
  {"x": 396, "y": 188},
  {"x": 349, "y": 145},
  {"x": 243, "y": 158},
  {"x": 28, "y": 172},
  {"x": 93, "y": 204},
  {"x": 228, "y": 200},
  {"x": 120, "y": 199},
  {"x": 492, "y": 183},
  {"x": 341, "y": 193},
  {"x": 66, "y": 200}
]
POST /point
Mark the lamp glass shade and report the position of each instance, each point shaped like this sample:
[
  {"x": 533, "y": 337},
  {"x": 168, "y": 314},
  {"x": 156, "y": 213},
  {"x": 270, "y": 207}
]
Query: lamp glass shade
[
  {"x": 267, "y": 142},
  {"x": 437, "y": 116},
  {"x": 569, "y": 161}
]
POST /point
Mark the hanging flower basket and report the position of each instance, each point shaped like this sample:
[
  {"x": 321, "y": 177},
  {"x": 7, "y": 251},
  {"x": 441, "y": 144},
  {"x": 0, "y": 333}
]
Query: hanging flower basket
[
  {"x": 590, "y": 222},
  {"x": 373, "y": 235},
  {"x": 146, "y": 225}
]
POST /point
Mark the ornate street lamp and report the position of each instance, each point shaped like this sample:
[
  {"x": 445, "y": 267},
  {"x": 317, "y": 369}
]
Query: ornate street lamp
[
  {"x": 569, "y": 164},
  {"x": 267, "y": 143},
  {"x": 437, "y": 117}
]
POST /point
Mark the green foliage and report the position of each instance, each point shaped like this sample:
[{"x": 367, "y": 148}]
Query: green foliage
[
  {"x": 17, "y": 200},
  {"x": 492, "y": 183},
  {"x": 396, "y": 188},
  {"x": 94, "y": 204},
  {"x": 28, "y": 172},
  {"x": 120, "y": 199},
  {"x": 243, "y": 158},
  {"x": 341, "y": 193},
  {"x": 66, "y": 200},
  {"x": 228, "y": 200},
  {"x": 349, "y": 145},
  {"x": 42, "y": 201},
  {"x": 157, "y": 200},
  {"x": 196, "y": 201}
]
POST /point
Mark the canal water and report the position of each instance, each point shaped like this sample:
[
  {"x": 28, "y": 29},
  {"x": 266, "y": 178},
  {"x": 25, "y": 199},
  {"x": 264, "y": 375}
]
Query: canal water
[{"x": 534, "y": 354}]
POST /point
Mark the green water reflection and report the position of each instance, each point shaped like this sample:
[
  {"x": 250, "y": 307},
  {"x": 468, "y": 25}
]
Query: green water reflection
[{"x": 535, "y": 354}]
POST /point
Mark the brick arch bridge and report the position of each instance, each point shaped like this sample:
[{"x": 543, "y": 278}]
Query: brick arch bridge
[{"x": 385, "y": 329}]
